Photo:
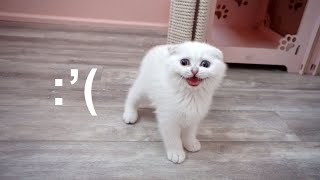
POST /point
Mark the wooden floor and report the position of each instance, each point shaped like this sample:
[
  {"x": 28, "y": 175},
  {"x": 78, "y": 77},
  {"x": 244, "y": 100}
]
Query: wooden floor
[{"x": 263, "y": 124}]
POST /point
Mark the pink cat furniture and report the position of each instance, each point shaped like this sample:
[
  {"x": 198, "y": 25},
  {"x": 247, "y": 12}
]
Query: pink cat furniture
[
  {"x": 278, "y": 32},
  {"x": 275, "y": 32}
]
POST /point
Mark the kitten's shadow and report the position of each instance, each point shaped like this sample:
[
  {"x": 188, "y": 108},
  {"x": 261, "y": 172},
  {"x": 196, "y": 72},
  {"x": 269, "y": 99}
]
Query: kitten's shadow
[{"x": 146, "y": 115}]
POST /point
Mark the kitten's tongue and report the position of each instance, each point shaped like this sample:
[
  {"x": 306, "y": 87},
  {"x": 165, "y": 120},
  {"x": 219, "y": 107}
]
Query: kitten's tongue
[{"x": 194, "y": 81}]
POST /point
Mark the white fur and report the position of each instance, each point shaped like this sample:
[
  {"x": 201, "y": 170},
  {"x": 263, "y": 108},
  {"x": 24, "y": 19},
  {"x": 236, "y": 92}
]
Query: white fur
[{"x": 179, "y": 106}]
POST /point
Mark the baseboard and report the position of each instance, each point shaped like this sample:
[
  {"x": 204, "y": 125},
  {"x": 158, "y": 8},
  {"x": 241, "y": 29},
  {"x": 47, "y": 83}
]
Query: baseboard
[{"x": 48, "y": 19}]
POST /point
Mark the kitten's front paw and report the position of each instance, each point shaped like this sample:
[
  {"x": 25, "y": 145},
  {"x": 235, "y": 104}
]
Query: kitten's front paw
[
  {"x": 130, "y": 117},
  {"x": 192, "y": 145},
  {"x": 176, "y": 156}
]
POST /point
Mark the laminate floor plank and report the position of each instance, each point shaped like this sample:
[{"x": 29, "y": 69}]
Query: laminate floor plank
[
  {"x": 146, "y": 160},
  {"x": 225, "y": 99},
  {"x": 306, "y": 125},
  {"x": 76, "y": 124}
]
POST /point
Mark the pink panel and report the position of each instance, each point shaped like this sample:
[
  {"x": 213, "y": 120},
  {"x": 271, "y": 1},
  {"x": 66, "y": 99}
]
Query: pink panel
[
  {"x": 247, "y": 14},
  {"x": 140, "y": 12}
]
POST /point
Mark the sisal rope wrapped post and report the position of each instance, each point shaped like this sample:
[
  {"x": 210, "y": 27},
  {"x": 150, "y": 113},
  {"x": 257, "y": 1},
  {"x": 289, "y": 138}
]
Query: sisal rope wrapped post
[
  {"x": 181, "y": 21},
  {"x": 202, "y": 20},
  {"x": 188, "y": 20}
]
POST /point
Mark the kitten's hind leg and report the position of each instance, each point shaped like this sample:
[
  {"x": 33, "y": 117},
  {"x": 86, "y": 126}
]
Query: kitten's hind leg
[{"x": 130, "y": 114}]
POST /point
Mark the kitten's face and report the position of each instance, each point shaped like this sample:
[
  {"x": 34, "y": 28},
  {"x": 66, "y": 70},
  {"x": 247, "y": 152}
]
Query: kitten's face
[{"x": 196, "y": 64}]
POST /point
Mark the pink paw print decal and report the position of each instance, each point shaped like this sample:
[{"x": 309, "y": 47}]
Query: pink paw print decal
[
  {"x": 241, "y": 2},
  {"x": 221, "y": 11},
  {"x": 287, "y": 43},
  {"x": 295, "y": 4}
]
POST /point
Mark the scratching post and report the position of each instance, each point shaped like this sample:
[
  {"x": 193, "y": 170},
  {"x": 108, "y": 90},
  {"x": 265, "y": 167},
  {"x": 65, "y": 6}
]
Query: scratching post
[
  {"x": 188, "y": 20},
  {"x": 202, "y": 20}
]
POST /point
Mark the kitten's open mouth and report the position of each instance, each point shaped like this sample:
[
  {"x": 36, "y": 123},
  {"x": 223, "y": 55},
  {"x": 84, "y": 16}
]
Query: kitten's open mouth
[{"x": 194, "y": 81}]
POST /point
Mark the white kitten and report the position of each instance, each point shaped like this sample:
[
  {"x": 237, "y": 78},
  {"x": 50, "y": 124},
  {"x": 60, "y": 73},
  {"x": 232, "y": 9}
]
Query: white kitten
[{"x": 180, "y": 81}]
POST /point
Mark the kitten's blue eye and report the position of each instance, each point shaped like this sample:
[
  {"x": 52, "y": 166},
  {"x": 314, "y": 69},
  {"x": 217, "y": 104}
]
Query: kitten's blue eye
[
  {"x": 205, "y": 64},
  {"x": 184, "y": 62}
]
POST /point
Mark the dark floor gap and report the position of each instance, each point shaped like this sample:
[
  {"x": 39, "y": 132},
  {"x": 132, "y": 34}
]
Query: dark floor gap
[{"x": 257, "y": 66}]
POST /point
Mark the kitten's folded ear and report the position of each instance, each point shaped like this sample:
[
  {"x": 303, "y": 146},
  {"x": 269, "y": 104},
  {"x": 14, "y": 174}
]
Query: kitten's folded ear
[
  {"x": 217, "y": 53},
  {"x": 220, "y": 54},
  {"x": 172, "y": 49}
]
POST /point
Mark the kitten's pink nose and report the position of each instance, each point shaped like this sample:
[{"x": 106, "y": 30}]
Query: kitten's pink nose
[{"x": 194, "y": 71}]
